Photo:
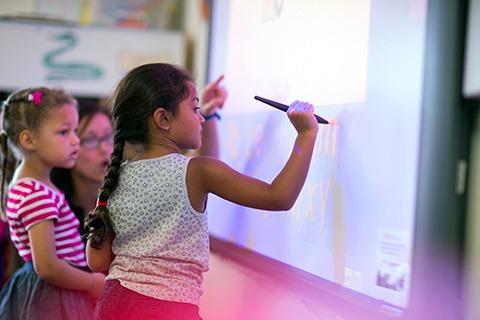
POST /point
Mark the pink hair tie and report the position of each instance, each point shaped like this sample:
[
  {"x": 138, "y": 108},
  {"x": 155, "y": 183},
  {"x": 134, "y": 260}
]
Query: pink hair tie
[
  {"x": 101, "y": 203},
  {"x": 35, "y": 97}
]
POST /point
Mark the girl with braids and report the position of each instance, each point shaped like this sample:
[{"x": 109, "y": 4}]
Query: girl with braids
[
  {"x": 39, "y": 126},
  {"x": 149, "y": 228},
  {"x": 82, "y": 182}
]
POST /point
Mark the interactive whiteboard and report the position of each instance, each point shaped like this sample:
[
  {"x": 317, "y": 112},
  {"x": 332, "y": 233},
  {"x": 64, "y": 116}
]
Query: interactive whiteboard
[{"x": 360, "y": 62}]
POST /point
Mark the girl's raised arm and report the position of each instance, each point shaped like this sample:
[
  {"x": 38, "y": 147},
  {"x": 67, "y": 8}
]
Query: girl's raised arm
[
  {"x": 211, "y": 175},
  {"x": 213, "y": 98}
]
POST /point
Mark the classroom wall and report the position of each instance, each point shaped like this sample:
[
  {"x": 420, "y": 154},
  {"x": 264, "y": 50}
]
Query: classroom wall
[
  {"x": 472, "y": 266},
  {"x": 472, "y": 89},
  {"x": 196, "y": 29}
]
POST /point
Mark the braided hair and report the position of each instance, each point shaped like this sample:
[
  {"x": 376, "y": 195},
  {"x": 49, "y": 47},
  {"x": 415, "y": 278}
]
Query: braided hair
[
  {"x": 141, "y": 91},
  {"x": 24, "y": 110}
]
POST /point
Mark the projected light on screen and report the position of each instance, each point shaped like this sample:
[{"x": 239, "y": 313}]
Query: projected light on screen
[
  {"x": 281, "y": 42},
  {"x": 360, "y": 63}
]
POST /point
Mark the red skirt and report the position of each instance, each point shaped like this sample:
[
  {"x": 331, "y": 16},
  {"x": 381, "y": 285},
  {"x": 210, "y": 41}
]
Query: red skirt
[{"x": 119, "y": 303}]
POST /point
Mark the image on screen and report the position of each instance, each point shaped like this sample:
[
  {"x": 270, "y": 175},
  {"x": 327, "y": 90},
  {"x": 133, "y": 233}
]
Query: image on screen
[{"x": 360, "y": 63}]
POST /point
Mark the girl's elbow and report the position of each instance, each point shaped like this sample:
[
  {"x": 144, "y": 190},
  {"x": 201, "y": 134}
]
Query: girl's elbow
[
  {"x": 282, "y": 204},
  {"x": 287, "y": 205},
  {"x": 94, "y": 267},
  {"x": 97, "y": 266},
  {"x": 44, "y": 270},
  {"x": 282, "y": 199},
  {"x": 98, "y": 261}
]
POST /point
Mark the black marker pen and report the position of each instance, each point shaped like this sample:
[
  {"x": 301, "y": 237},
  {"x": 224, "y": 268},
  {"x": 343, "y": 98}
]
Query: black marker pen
[{"x": 284, "y": 107}]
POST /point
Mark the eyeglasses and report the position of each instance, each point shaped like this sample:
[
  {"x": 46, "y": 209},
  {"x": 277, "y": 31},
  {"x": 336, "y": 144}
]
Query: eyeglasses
[{"x": 94, "y": 142}]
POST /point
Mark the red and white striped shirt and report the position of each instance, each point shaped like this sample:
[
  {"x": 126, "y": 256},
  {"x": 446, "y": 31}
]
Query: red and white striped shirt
[{"x": 29, "y": 202}]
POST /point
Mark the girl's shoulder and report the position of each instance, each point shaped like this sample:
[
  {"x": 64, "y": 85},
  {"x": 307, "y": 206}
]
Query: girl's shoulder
[
  {"x": 154, "y": 160},
  {"x": 205, "y": 165},
  {"x": 206, "y": 161},
  {"x": 31, "y": 185}
]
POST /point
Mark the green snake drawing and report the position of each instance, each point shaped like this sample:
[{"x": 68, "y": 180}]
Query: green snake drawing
[{"x": 58, "y": 70}]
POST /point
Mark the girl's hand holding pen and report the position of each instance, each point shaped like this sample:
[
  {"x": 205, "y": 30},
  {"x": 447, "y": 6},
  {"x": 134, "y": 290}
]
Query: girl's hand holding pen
[{"x": 301, "y": 116}]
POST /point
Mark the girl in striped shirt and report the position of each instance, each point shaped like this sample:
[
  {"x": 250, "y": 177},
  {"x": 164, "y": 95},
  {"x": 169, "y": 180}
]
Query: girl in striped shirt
[{"x": 40, "y": 124}]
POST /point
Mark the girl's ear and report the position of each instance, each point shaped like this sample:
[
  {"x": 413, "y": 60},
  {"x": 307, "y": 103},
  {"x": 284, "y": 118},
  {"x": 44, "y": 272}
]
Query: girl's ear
[
  {"x": 26, "y": 139},
  {"x": 162, "y": 118}
]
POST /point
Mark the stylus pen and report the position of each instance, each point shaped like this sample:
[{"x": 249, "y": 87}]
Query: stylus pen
[{"x": 284, "y": 107}]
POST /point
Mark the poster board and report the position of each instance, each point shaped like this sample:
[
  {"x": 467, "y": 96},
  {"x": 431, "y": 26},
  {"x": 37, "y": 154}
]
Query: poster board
[{"x": 85, "y": 61}]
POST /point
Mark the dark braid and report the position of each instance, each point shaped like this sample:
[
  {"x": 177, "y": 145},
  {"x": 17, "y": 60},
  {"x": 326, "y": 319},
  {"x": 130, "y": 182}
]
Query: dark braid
[
  {"x": 9, "y": 163},
  {"x": 98, "y": 221}
]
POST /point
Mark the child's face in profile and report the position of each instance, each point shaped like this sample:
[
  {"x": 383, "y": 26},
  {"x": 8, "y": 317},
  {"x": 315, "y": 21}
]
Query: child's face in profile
[
  {"x": 186, "y": 128},
  {"x": 56, "y": 142}
]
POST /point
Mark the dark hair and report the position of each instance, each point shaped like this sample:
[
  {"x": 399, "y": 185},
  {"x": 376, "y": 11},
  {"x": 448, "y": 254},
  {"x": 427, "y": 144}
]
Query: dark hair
[
  {"x": 24, "y": 110},
  {"x": 62, "y": 177},
  {"x": 87, "y": 110},
  {"x": 141, "y": 91}
]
